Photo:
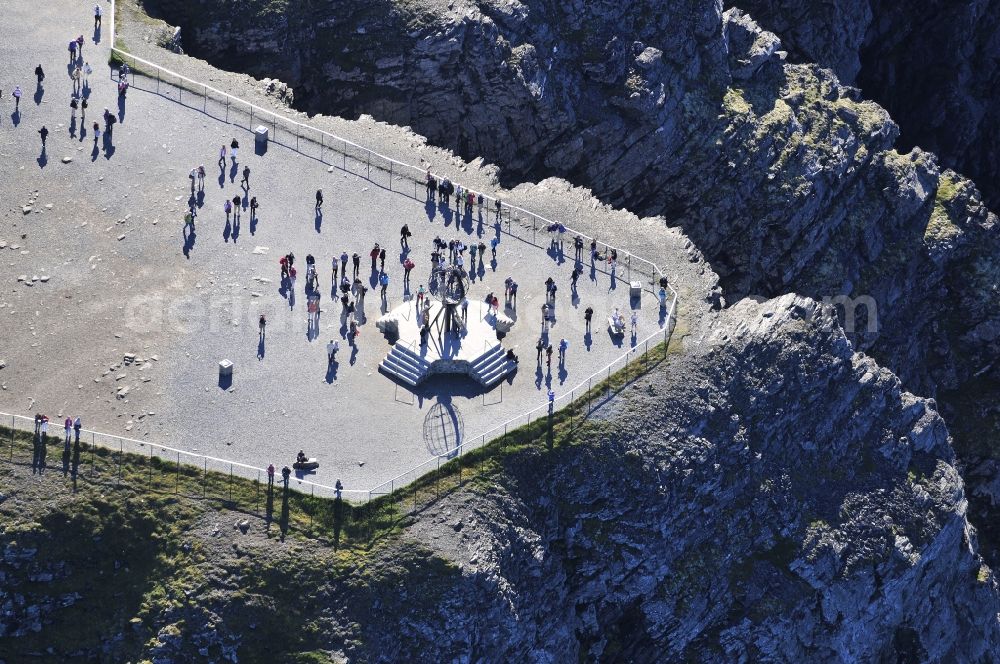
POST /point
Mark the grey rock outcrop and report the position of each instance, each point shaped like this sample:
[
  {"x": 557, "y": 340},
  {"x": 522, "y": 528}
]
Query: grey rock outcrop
[
  {"x": 931, "y": 63},
  {"x": 776, "y": 496}
]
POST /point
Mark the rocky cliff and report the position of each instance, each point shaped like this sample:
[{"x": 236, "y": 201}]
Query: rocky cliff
[
  {"x": 931, "y": 63},
  {"x": 774, "y": 496},
  {"x": 785, "y": 178}
]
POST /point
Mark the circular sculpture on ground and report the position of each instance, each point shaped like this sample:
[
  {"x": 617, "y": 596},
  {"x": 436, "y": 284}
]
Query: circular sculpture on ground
[{"x": 444, "y": 428}]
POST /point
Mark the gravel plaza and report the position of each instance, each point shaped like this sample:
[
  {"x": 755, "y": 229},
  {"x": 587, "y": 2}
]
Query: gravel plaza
[{"x": 128, "y": 278}]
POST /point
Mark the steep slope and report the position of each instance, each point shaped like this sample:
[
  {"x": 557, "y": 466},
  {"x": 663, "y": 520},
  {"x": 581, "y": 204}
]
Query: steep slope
[
  {"x": 931, "y": 63},
  {"x": 775, "y": 495}
]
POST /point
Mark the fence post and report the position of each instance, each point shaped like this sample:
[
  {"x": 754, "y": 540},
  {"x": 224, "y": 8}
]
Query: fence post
[
  {"x": 437, "y": 479},
  {"x": 121, "y": 458},
  {"x": 230, "y": 483},
  {"x": 256, "y": 507},
  {"x": 204, "y": 104},
  {"x": 322, "y": 145},
  {"x": 297, "y": 132},
  {"x": 157, "y": 80},
  {"x": 149, "y": 476},
  {"x": 251, "y": 118},
  {"x": 227, "y": 109},
  {"x": 312, "y": 493},
  {"x": 12, "y": 439},
  {"x": 204, "y": 479},
  {"x": 177, "y": 484},
  {"x": 93, "y": 444},
  {"x": 180, "y": 93},
  {"x": 590, "y": 394},
  {"x": 344, "y": 154},
  {"x": 368, "y": 166},
  {"x": 390, "y": 176}
]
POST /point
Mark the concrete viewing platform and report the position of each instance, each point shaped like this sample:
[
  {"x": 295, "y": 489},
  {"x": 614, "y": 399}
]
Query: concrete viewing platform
[{"x": 471, "y": 348}]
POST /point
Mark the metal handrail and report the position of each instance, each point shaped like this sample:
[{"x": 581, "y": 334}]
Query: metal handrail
[{"x": 166, "y": 448}]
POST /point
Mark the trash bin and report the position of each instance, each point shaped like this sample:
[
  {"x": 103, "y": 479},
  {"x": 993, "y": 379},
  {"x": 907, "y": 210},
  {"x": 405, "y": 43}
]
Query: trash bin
[
  {"x": 225, "y": 369},
  {"x": 635, "y": 289},
  {"x": 260, "y": 139}
]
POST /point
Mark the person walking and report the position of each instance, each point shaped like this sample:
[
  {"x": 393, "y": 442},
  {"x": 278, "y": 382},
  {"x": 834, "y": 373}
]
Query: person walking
[
  {"x": 563, "y": 345},
  {"x": 201, "y": 177},
  {"x": 588, "y": 314},
  {"x": 408, "y": 266},
  {"x": 79, "y": 45},
  {"x": 17, "y": 97},
  {"x": 253, "y": 208},
  {"x": 374, "y": 255},
  {"x": 236, "y": 208},
  {"x": 270, "y": 475},
  {"x": 539, "y": 348},
  {"x": 189, "y": 218},
  {"x": 421, "y": 292},
  {"x": 465, "y": 309},
  {"x": 384, "y": 282},
  {"x": 356, "y": 262},
  {"x": 319, "y": 199},
  {"x": 548, "y": 357},
  {"x": 83, "y": 110},
  {"x": 222, "y": 156},
  {"x": 73, "y": 105},
  {"x": 513, "y": 294},
  {"x": 404, "y": 237},
  {"x": 97, "y": 133},
  {"x": 97, "y": 16},
  {"x": 381, "y": 259},
  {"x": 262, "y": 325},
  {"x": 193, "y": 176},
  {"x": 234, "y": 149},
  {"x": 228, "y": 207},
  {"x": 576, "y": 275},
  {"x": 44, "y": 133},
  {"x": 72, "y": 50},
  {"x": 39, "y": 74},
  {"x": 246, "y": 178},
  {"x": 68, "y": 426},
  {"x": 87, "y": 71},
  {"x": 635, "y": 323}
]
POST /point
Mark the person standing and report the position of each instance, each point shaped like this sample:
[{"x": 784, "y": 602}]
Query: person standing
[
  {"x": 381, "y": 259},
  {"x": 246, "y": 178},
  {"x": 236, "y": 208},
  {"x": 97, "y": 16},
  {"x": 201, "y": 177},
  {"x": 540, "y": 348},
  {"x": 44, "y": 133},
  {"x": 262, "y": 326},
  {"x": 193, "y": 176},
  {"x": 77, "y": 426},
  {"x": 270, "y": 475},
  {"x": 635, "y": 323},
  {"x": 548, "y": 357},
  {"x": 253, "y": 209},
  {"x": 356, "y": 261},
  {"x": 234, "y": 149},
  {"x": 319, "y": 199},
  {"x": 83, "y": 110},
  {"x": 97, "y": 133},
  {"x": 563, "y": 345},
  {"x": 17, "y": 97},
  {"x": 228, "y": 207},
  {"x": 39, "y": 75},
  {"x": 68, "y": 426},
  {"x": 513, "y": 294},
  {"x": 384, "y": 282},
  {"x": 87, "y": 71},
  {"x": 72, "y": 50},
  {"x": 465, "y": 309},
  {"x": 73, "y": 104},
  {"x": 79, "y": 45},
  {"x": 587, "y": 315},
  {"x": 374, "y": 255}
]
